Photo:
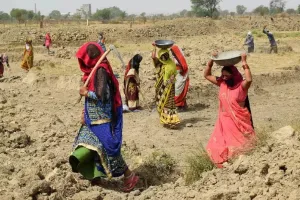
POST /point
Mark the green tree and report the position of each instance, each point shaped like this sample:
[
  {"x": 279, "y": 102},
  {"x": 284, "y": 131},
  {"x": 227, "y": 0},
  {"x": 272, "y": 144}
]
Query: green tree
[
  {"x": 115, "y": 12},
  {"x": 183, "y": 13},
  {"x": 19, "y": 14},
  {"x": 205, "y": 7},
  {"x": 291, "y": 11},
  {"x": 4, "y": 16},
  {"x": 55, "y": 14},
  {"x": 240, "y": 9},
  {"x": 299, "y": 9},
  {"x": 30, "y": 14},
  {"x": 143, "y": 17},
  {"x": 123, "y": 15},
  {"x": 37, "y": 16},
  {"x": 261, "y": 10},
  {"x": 66, "y": 16},
  {"x": 277, "y": 6},
  {"x": 76, "y": 16},
  {"x": 224, "y": 13},
  {"x": 104, "y": 14}
]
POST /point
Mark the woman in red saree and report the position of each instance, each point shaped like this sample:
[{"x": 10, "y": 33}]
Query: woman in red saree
[
  {"x": 234, "y": 132},
  {"x": 48, "y": 42},
  {"x": 182, "y": 78},
  {"x": 132, "y": 83}
]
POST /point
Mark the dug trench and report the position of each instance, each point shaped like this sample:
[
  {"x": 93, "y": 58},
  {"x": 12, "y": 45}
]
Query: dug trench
[{"x": 39, "y": 120}]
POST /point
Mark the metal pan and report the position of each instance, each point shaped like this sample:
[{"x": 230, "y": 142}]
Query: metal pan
[
  {"x": 164, "y": 44},
  {"x": 228, "y": 58}
]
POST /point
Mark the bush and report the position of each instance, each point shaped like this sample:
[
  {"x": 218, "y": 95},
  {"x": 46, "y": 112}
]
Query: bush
[
  {"x": 262, "y": 136},
  {"x": 158, "y": 168},
  {"x": 115, "y": 21},
  {"x": 197, "y": 163}
]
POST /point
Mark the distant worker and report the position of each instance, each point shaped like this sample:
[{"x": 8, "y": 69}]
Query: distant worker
[
  {"x": 48, "y": 42},
  {"x": 250, "y": 42},
  {"x": 271, "y": 39},
  {"x": 101, "y": 41},
  {"x": 27, "y": 62},
  {"x": 3, "y": 59},
  {"x": 132, "y": 83}
]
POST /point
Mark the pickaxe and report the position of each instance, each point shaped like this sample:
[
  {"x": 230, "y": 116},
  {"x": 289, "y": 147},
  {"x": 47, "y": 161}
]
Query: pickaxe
[{"x": 118, "y": 55}]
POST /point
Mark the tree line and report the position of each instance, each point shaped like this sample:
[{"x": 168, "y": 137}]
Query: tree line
[
  {"x": 210, "y": 8},
  {"x": 200, "y": 8}
]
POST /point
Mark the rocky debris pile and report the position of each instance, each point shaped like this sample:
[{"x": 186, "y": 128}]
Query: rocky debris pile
[
  {"x": 64, "y": 53},
  {"x": 269, "y": 172}
]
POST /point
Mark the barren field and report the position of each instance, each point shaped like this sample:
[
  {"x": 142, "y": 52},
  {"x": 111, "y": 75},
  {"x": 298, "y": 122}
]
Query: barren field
[{"x": 39, "y": 118}]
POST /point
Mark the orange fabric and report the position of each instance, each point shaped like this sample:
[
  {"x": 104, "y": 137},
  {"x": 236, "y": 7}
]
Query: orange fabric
[{"x": 233, "y": 133}]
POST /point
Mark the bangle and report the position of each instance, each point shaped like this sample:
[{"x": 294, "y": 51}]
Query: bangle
[{"x": 246, "y": 66}]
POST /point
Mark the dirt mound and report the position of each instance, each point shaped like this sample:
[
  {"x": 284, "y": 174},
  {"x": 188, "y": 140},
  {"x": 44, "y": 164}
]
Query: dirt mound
[
  {"x": 60, "y": 82},
  {"x": 271, "y": 171}
]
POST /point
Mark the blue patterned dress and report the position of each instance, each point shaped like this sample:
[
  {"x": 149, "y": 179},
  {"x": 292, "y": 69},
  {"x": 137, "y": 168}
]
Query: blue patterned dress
[{"x": 103, "y": 135}]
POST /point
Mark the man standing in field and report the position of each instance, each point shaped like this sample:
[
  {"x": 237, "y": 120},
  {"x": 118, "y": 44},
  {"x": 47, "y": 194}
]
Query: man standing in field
[
  {"x": 250, "y": 42},
  {"x": 271, "y": 39}
]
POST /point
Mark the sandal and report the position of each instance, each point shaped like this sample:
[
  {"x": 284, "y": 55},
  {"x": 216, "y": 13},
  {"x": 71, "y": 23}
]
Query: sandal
[{"x": 130, "y": 182}]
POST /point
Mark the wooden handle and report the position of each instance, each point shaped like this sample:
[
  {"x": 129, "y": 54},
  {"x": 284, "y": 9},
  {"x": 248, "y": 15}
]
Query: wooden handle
[{"x": 93, "y": 70}]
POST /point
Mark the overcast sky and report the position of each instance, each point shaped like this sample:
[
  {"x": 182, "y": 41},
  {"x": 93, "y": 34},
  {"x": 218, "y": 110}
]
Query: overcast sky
[{"x": 130, "y": 6}]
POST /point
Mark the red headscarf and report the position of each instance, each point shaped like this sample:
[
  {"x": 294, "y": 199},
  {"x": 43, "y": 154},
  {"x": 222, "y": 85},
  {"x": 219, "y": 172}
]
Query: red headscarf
[
  {"x": 180, "y": 59},
  {"x": 236, "y": 76},
  {"x": 87, "y": 64}
]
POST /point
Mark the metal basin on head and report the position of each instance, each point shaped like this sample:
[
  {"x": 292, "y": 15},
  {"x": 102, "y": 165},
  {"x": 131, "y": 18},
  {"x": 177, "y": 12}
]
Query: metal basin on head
[
  {"x": 164, "y": 44},
  {"x": 228, "y": 58}
]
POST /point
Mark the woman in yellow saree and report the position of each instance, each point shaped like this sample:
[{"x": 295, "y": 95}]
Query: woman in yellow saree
[
  {"x": 165, "y": 88},
  {"x": 27, "y": 61}
]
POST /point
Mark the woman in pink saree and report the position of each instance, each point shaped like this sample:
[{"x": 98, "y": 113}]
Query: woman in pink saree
[
  {"x": 48, "y": 42},
  {"x": 233, "y": 133}
]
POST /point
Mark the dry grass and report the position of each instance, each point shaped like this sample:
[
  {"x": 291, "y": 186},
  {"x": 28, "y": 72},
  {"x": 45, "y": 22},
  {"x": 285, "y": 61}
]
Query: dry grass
[
  {"x": 198, "y": 163},
  {"x": 158, "y": 168},
  {"x": 262, "y": 135}
]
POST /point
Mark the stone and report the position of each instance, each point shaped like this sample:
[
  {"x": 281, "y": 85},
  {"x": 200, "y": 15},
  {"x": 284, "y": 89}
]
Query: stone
[
  {"x": 40, "y": 187},
  {"x": 284, "y": 133},
  {"x": 20, "y": 140},
  {"x": 240, "y": 166},
  {"x": 136, "y": 193},
  {"x": 3, "y": 100},
  {"x": 265, "y": 169},
  {"x": 51, "y": 174},
  {"x": 189, "y": 125}
]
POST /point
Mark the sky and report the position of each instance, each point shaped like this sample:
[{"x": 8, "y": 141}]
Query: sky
[{"x": 130, "y": 6}]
